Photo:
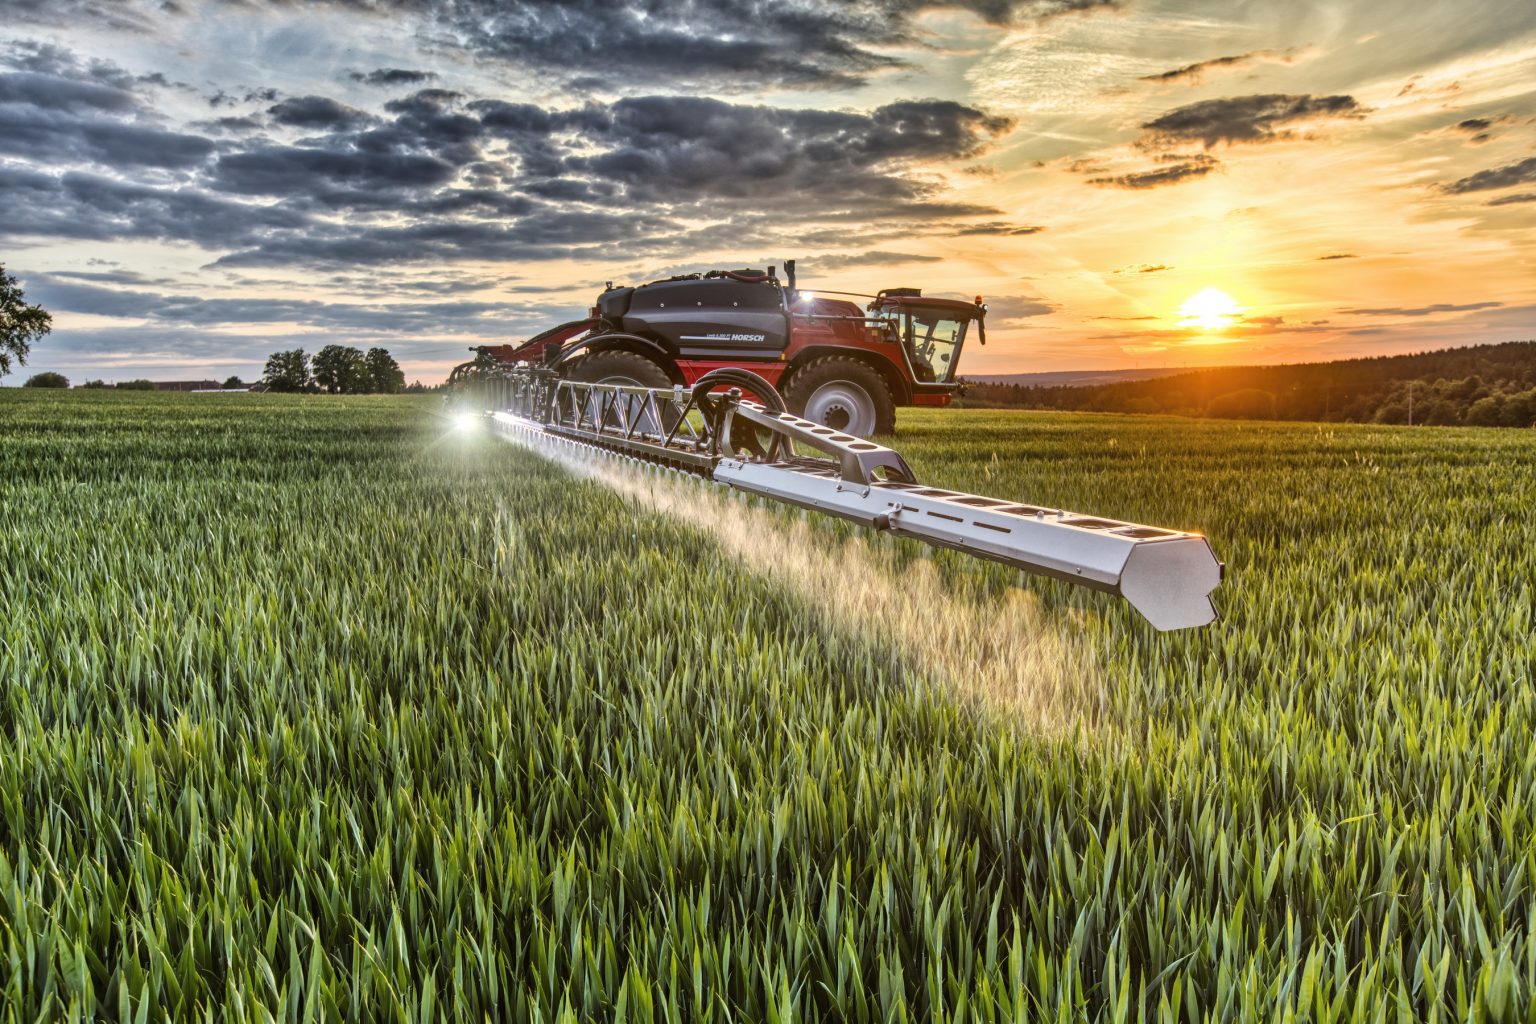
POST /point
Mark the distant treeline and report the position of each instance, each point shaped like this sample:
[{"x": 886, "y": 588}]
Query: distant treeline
[{"x": 1484, "y": 385}]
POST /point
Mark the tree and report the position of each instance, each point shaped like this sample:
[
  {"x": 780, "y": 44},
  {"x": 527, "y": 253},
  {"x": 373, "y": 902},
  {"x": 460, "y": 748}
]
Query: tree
[
  {"x": 1442, "y": 413},
  {"x": 341, "y": 370},
  {"x": 47, "y": 380},
  {"x": 234, "y": 382},
  {"x": 20, "y": 324},
  {"x": 384, "y": 374},
  {"x": 287, "y": 371},
  {"x": 95, "y": 385},
  {"x": 1520, "y": 409},
  {"x": 1246, "y": 404},
  {"x": 136, "y": 385},
  {"x": 1486, "y": 412}
]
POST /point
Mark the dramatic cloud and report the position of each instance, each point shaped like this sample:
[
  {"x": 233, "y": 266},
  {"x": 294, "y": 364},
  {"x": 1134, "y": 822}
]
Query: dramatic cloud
[
  {"x": 1000, "y": 228},
  {"x": 139, "y": 304},
  {"x": 678, "y": 149},
  {"x": 1007, "y": 310},
  {"x": 1251, "y": 119},
  {"x": 863, "y": 259},
  {"x": 392, "y": 76},
  {"x": 317, "y": 112},
  {"x": 1511, "y": 200},
  {"x": 708, "y": 43},
  {"x": 435, "y": 176},
  {"x": 92, "y": 207},
  {"x": 1170, "y": 175},
  {"x": 1476, "y": 127},
  {"x": 1339, "y": 256},
  {"x": 721, "y": 42},
  {"x": 1521, "y": 173},
  {"x": 1439, "y": 307},
  {"x": 1195, "y": 73},
  {"x": 286, "y": 170},
  {"x": 62, "y": 111}
]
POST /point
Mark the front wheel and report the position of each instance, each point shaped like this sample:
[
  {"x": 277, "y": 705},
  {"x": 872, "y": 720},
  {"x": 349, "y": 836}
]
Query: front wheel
[{"x": 843, "y": 394}]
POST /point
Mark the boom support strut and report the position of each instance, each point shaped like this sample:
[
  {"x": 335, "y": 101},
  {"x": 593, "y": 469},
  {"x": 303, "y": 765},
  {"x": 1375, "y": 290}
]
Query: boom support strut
[{"x": 759, "y": 448}]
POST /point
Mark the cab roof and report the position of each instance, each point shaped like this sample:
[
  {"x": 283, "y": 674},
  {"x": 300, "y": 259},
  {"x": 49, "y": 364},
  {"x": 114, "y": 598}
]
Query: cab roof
[{"x": 959, "y": 306}]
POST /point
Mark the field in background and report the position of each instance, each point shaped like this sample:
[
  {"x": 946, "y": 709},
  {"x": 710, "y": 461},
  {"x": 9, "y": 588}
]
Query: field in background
[{"x": 312, "y": 707}]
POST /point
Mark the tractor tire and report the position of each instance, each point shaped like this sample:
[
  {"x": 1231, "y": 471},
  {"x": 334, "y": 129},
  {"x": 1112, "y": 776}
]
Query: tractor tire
[
  {"x": 630, "y": 369},
  {"x": 619, "y": 367},
  {"x": 843, "y": 394}
]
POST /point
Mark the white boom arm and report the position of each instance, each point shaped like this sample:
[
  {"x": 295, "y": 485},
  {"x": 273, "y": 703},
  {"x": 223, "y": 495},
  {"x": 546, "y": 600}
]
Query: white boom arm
[{"x": 1166, "y": 575}]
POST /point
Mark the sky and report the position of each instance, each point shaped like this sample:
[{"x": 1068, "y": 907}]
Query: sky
[{"x": 190, "y": 185}]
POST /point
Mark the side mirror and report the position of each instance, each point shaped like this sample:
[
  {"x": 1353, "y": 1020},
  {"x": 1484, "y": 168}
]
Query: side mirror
[{"x": 981, "y": 320}]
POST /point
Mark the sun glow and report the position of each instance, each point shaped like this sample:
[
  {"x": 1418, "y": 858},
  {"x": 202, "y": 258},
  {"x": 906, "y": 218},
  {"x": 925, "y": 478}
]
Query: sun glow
[{"x": 1210, "y": 310}]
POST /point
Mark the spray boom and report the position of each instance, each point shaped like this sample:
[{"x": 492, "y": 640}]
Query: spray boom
[{"x": 760, "y": 448}]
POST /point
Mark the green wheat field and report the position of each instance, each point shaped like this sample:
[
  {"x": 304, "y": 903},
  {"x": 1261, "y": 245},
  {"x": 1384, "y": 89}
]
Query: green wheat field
[{"x": 314, "y": 709}]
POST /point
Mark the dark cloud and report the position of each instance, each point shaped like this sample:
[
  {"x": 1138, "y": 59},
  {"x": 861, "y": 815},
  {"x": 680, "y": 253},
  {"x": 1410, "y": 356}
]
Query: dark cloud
[
  {"x": 1010, "y": 309},
  {"x": 433, "y": 178},
  {"x": 546, "y": 235},
  {"x": 1511, "y": 200},
  {"x": 317, "y": 113},
  {"x": 1439, "y": 307},
  {"x": 814, "y": 264},
  {"x": 1157, "y": 177},
  {"x": 1339, "y": 256},
  {"x": 701, "y": 44},
  {"x": 1521, "y": 173},
  {"x": 296, "y": 171},
  {"x": 75, "y": 125},
  {"x": 707, "y": 42},
  {"x": 1478, "y": 130},
  {"x": 460, "y": 316},
  {"x": 266, "y": 94},
  {"x": 87, "y": 206},
  {"x": 110, "y": 277},
  {"x": 998, "y": 227},
  {"x": 392, "y": 76},
  {"x": 1251, "y": 119},
  {"x": 52, "y": 61},
  {"x": 52, "y": 92},
  {"x": 229, "y": 125},
  {"x": 1194, "y": 73},
  {"x": 672, "y": 149}
]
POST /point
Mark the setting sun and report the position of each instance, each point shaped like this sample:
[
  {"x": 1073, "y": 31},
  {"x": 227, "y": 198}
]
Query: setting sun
[{"x": 1211, "y": 309}]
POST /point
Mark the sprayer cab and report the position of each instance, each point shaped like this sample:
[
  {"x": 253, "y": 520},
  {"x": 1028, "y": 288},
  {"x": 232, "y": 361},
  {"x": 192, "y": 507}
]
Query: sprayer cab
[{"x": 932, "y": 330}]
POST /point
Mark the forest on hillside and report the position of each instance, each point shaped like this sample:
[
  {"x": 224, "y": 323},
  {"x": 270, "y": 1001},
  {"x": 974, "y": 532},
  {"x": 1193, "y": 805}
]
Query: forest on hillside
[{"x": 1482, "y": 385}]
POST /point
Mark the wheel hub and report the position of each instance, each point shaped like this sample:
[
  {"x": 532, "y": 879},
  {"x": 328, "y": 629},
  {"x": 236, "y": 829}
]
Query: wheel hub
[{"x": 842, "y": 405}]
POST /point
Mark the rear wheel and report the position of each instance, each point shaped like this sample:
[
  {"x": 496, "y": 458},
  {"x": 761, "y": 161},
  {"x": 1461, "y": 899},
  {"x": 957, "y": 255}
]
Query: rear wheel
[
  {"x": 619, "y": 367},
  {"x": 843, "y": 394},
  {"x": 628, "y": 369}
]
